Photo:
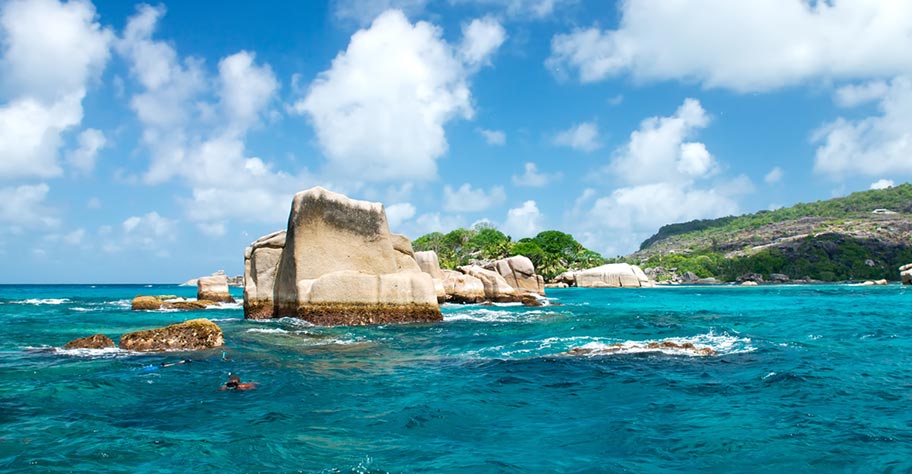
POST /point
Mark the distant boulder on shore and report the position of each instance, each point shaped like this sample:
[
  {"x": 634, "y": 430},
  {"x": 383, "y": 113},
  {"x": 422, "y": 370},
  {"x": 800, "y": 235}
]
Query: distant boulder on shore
[
  {"x": 213, "y": 288},
  {"x": 905, "y": 274},
  {"x": 613, "y": 275}
]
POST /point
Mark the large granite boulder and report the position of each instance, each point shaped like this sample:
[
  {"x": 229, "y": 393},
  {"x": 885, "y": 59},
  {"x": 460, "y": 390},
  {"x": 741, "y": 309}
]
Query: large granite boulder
[
  {"x": 905, "y": 274},
  {"x": 613, "y": 275},
  {"x": 97, "y": 341},
  {"x": 462, "y": 288},
  {"x": 213, "y": 288},
  {"x": 261, "y": 262},
  {"x": 341, "y": 265},
  {"x": 519, "y": 272},
  {"x": 196, "y": 334},
  {"x": 496, "y": 287},
  {"x": 429, "y": 263}
]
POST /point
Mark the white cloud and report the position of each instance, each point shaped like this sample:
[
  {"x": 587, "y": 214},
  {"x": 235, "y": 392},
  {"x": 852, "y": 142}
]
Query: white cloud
[
  {"x": 466, "y": 199},
  {"x": 582, "y": 137},
  {"x": 149, "y": 231},
  {"x": 522, "y": 9},
  {"x": 856, "y": 94},
  {"x": 431, "y": 222},
  {"x": 493, "y": 137},
  {"x": 665, "y": 178},
  {"x": 883, "y": 184},
  {"x": 774, "y": 176},
  {"x": 398, "y": 213},
  {"x": 364, "y": 11},
  {"x": 748, "y": 45},
  {"x": 379, "y": 111},
  {"x": 73, "y": 238},
  {"x": 533, "y": 178},
  {"x": 523, "y": 221},
  {"x": 52, "y": 52},
  {"x": 83, "y": 158},
  {"x": 24, "y": 207},
  {"x": 197, "y": 134},
  {"x": 480, "y": 39},
  {"x": 658, "y": 151},
  {"x": 872, "y": 146}
]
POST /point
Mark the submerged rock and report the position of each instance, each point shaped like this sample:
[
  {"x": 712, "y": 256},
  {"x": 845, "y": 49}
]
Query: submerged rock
[
  {"x": 196, "y": 334},
  {"x": 151, "y": 303},
  {"x": 97, "y": 341},
  {"x": 596, "y": 349},
  {"x": 213, "y": 288},
  {"x": 340, "y": 265}
]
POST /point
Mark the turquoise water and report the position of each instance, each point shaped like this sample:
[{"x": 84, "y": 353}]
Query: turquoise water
[{"x": 805, "y": 379}]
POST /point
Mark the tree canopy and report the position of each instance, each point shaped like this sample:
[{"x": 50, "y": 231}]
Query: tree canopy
[{"x": 551, "y": 251}]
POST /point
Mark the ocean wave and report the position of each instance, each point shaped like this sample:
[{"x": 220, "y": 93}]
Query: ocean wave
[
  {"x": 311, "y": 339},
  {"x": 106, "y": 353},
  {"x": 486, "y": 315},
  {"x": 710, "y": 344},
  {"x": 41, "y": 301}
]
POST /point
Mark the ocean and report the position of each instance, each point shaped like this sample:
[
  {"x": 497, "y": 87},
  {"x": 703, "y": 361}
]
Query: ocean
[{"x": 802, "y": 379}]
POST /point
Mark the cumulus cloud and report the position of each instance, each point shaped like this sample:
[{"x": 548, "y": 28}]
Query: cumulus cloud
[
  {"x": 82, "y": 159},
  {"x": 582, "y": 137},
  {"x": 522, "y": 9},
  {"x": 523, "y": 221},
  {"x": 533, "y": 178},
  {"x": 493, "y": 137},
  {"x": 751, "y": 45},
  {"x": 379, "y": 111},
  {"x": 882, "y": 184},
  {"x": 480, "y": 39},
  {"x": 467, "y": 199},
  {"x": 873, "y": 146},
  {"x": 665, "y": 177},
  {"x": 774, "y": 176},
  {"x": 398, "y": 213},
  {"x": 199, "y": 137},
  {"x": 25, "y": 207},
  {"x": 856, "y": 94},
  {"x": 52, "y": 52},
  {"x": 148, "y": 232}
]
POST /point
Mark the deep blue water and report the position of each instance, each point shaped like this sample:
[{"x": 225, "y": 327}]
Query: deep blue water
[{"x": 806, "y": 379}]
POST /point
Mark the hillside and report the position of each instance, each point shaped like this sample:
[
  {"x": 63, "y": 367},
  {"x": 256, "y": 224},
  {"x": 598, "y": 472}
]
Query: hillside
[{"x": 865, "y": 235}]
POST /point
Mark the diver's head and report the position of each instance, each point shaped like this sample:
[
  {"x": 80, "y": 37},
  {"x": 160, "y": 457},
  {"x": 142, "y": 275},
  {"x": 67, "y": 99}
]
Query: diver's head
[{"x": 233, "y": 381}]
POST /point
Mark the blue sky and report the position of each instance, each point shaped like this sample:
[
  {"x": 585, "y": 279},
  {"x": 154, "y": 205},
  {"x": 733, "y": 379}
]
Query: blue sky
[{"x": 153, "y": 142}]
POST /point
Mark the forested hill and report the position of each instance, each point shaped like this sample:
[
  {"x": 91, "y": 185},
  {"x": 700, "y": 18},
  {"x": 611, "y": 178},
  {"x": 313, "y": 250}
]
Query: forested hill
[{"x": 861, "y": 236}]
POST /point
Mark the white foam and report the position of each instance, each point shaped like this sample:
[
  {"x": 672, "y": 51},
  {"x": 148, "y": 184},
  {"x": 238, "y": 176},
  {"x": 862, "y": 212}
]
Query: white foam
[
  {"x": 271, "y": 331},
  {"x": 40, "y": 301},
  {"x": 486, "y": 315},
  {"x": 710, "y": 344}
]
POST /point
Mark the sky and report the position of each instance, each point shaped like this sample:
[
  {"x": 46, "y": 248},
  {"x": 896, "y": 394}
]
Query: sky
[{"x": 154, "y": 142}]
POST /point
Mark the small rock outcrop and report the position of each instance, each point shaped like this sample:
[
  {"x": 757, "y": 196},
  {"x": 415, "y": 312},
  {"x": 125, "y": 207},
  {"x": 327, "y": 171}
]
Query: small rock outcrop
[
  {"x": 874, "y": 283},
  {"x": 340, "y": 265},
  {"x": 261, "y": 262},
  {"x": 749, "y": 283},
  {"x": 462, "y": 288},
  {"x": 151, "y": 303},
  {"x": 613, "y": 275},
  {"x": 196, "y": 334},
  {"x": 519, "y": 272},
  {"x": 905, "y": 274},
  {"x": 213, "y": 288},
  {"x": 97, "y": 341}
]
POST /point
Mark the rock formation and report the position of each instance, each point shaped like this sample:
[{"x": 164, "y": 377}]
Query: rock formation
[
  {"x": 905, "y": 273},
  {"x": 340, "y": 265},
  {"x": 97, "y": 341},
  {"x": 196, "y": 334},
  {"x": 213, "y": 288},
  {"x": 261, "y": 262},
  {"x": 749, "y": 283},
  {"x": 148, "y": 303},
  {"x": 519, "y": 273},
  {"x": 462, "y": 288},
  {"x": 496, "y": 287},
  {"x": 614, "y": 275}
]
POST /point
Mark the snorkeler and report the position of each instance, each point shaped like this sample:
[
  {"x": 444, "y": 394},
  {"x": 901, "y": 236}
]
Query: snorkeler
[
  {"x": 234, "y": 383},
  {"x": 171, "y": 364}
]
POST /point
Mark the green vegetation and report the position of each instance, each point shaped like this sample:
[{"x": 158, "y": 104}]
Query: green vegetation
[
  {"x": 897, "y": 199},
  {"x": 552, "y": 252},
  {"x": 835, "y": 240}
]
